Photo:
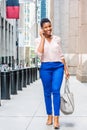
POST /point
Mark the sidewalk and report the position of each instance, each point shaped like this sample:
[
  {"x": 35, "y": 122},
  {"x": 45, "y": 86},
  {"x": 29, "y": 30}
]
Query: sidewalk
[{"x": 26, "y": 110}]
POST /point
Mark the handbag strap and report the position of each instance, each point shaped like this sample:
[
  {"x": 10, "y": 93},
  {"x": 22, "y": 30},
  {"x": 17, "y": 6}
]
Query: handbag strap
[
  {"x": 66, "y": 88},
  {"x": 70, "y": 102}
]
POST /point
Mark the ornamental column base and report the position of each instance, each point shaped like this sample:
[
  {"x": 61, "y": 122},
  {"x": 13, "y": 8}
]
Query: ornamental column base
[{"x": 81, "y": 74}]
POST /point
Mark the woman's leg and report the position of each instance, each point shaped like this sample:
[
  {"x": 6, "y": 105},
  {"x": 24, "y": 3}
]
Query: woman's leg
[
  {"x": 56, "y": 85},
  {"x": 46, "y": 77}
]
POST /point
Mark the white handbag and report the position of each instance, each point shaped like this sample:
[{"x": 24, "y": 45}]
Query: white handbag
[{"x": 67, "y": 100}]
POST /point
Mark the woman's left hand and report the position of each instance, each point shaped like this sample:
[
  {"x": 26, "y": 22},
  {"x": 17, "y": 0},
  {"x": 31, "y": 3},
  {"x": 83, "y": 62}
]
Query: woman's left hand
[{"x": 67, "y": 75}]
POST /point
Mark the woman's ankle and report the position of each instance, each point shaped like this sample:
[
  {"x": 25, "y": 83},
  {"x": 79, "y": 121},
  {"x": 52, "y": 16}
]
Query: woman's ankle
[
  {"x": 49, "y": 120},
  {"x": 56, "y": 122}
]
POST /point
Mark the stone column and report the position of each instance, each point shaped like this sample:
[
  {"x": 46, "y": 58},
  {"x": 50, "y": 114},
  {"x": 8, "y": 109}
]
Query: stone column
[
  {"x": 82, "y": 47},
  {"x": 7, "y": 39},
  {"x": 14, "y": 39},
  {"x": 3, "y": 39},
  {"x": 51, "y": 13},
  {"x": 56, "y": 19},
  {"x": 11, "y": 41},
  {"x": 72, "y": 46},
  {"x": 66, "y": 26},
  {"x": 0, "y": 38},
  {"x": 6, "y": 57}
]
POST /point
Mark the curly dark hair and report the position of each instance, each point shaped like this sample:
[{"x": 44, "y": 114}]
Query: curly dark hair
[{"x": 44, "y": 20}]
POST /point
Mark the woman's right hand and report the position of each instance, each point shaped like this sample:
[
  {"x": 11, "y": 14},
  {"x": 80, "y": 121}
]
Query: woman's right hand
[
  {"x": 41, "y": 45},
  {"x": 42, "y": 34}
]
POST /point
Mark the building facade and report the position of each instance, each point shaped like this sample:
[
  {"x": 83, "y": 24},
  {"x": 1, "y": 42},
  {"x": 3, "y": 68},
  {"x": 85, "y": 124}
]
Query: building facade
[
  {"x": 30, "y": 17},
  {"x": 69, "y": 20},
  {"x": 70, "y": 23},
  {"x": 27, "y": 27},
  {"x": 8, "y": 53},
  {"x": 43, "y": 9}
]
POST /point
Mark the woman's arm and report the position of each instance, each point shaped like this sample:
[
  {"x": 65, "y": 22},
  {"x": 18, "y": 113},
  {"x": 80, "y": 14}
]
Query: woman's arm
[
  {"x": 63, "y": 60},
  {"x": 41, "y": 45},
  {"x": 66, "y": 69}
]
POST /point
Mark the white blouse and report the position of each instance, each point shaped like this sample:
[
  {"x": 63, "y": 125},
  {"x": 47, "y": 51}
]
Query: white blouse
[{"x": 52, "y": 50}]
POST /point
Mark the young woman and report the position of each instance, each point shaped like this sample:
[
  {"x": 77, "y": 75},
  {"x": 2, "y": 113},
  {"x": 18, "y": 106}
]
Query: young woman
[{"x": 48, "y": 48}]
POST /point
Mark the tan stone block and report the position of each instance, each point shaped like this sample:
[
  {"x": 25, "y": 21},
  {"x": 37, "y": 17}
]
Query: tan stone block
[
  {"x": 72, "y": 59},
  {"x": 65, "y": 43},
  {"x": 83, "y": 11},
  {"x": 73, "y": 27},
  {"x": 73, "y": 8},
  {"x": 81, "y": 78},
  {"x": 83, "y": 39},
  {"x": 72, "y": 62},
  {"x": 73, "y": 43},
  {"x": 82, "y": 68}
]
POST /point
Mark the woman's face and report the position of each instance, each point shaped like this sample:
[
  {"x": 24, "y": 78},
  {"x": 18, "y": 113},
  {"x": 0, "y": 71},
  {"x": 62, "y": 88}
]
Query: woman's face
[{"x": 47, "y": 28}]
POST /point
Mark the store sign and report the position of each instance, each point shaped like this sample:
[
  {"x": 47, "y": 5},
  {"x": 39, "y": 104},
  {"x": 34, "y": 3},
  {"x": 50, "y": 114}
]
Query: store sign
[{"x": 12, "y": 9}]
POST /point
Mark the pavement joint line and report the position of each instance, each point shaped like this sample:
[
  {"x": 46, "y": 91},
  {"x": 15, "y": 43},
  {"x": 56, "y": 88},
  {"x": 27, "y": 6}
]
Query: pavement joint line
[
  {"x": 29, "y": 123},
  {"x": 33, "y": 116}
]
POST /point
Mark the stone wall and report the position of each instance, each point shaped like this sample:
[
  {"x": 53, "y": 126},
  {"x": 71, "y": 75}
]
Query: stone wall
[
  {"x": 82, "y": 47},
  {"x": 70, "y": 23}
]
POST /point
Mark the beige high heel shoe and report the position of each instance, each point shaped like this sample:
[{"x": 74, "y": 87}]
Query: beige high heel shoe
[
  {"x": 49, "y": 120},
  {"x": 56, "y": 122}
]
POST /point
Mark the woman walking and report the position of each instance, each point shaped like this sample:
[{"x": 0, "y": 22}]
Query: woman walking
[{"x": 48, "y": 48}]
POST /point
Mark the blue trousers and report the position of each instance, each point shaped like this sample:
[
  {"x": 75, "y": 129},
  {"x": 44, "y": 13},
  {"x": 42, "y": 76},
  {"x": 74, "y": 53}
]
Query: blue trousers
[{"x": 51, "y": 74}]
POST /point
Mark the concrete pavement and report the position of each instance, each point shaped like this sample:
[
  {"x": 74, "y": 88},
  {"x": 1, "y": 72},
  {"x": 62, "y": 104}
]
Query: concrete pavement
[{"x": 26, "y": 110}]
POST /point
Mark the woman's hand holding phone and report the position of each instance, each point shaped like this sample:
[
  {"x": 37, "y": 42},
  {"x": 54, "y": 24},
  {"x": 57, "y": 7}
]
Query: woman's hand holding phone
[{"x": 42, "y": 34}]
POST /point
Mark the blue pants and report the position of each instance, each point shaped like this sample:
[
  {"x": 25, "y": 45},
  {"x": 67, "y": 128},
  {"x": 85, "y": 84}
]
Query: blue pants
[{"x": 51, "y": 74}]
